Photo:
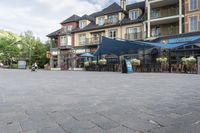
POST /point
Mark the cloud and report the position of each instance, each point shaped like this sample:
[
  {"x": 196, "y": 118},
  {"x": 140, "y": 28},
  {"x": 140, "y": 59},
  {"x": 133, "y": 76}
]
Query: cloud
[{"x": 44, "y": 16}]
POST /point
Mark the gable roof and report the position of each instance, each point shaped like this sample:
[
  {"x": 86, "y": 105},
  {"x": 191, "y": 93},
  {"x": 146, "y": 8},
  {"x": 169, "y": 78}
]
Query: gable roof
[
  {"x": 54, "y": 34},
  {"x": 113, "y": 8},
  {"x": 86, "y": 17},
  {"x": 73, "y": 18},
  {"x": 140, "y": 5}
]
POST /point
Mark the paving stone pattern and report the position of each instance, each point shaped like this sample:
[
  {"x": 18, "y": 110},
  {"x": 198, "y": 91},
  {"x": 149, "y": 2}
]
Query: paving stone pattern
[{"x": 98, "y": 102}]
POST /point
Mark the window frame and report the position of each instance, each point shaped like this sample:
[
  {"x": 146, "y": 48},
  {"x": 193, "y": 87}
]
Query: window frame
[
  {"x": 112, "y": 33},
  {"x": 101, "y": 19},
  {"x": 196, "y": 7},
  {"x": 131, "y": 12},
  {"x": 80, "y": 38},
  {"x": 82, "y": 24},
  {"x": 197, "y": 26}
]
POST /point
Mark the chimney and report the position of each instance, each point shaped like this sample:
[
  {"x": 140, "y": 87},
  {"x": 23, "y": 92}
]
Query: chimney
[{"x": 123, "y": 4}]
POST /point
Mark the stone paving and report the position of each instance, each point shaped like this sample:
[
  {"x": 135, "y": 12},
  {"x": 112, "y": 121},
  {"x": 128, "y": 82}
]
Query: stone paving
[{"x": 94, "y": 102}]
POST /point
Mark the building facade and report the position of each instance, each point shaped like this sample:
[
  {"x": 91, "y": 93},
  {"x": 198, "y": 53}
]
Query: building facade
[
  {"x": 192, "y": 15},
  {"x": 146, "y": 20},
  {"x": 62, "y": 43}
]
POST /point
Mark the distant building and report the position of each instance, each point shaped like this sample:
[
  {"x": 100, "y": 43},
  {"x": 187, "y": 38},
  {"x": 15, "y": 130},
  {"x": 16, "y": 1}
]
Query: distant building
[{"x": 146, "y": 20}]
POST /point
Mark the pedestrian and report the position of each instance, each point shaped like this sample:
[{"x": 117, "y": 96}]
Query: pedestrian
[
  {"x": 36, "y": 66},
  {"x": 1, "y": 65}
]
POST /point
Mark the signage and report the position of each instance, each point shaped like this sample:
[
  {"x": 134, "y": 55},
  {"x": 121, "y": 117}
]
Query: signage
[
  {"x": 21, "y": 64},
  {"x": 129, "y": 66},
  {"x": 180, "y": 40},
  {"x": 198, "y": 65}
]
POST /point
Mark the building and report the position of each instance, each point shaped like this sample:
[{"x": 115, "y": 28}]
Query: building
[
  {"x": 164, "y": 17},
  {"x": 149, "y": 20},
  {"x": 62, "y": 42},
  {"x": 192, "y": 15}
]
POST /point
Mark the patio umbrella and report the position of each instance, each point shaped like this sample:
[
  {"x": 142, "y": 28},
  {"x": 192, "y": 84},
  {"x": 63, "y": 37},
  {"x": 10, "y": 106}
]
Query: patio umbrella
[{"x": 87, "y": 55}]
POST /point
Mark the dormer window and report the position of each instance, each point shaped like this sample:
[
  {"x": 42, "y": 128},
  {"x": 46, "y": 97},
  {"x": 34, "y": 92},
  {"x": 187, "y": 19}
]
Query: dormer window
[
  {"x": 101, "y": 21},
  {"x": 113, "y": 18},
  {"x": 134, "y": 14},
  {"x": 82, "y": 24}
]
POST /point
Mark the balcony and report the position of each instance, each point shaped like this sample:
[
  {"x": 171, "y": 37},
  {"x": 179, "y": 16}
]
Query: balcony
[
  {"x": 90, "y": 41},
  {"x": 164, "y": 12},
  {"x": 54, "y": 43},
  {"x": 134, "y": 36},
  {"x": 65, "y": 46}
]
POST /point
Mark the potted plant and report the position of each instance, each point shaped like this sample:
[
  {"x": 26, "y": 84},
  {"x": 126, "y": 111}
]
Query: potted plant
[
  {"x": 189, "y": 63},
  {"x": 103, "y": 61},
  {"x": 87, "y": 64},
  {"x": 136, "y": 63},
  {"x": 163, "y": 62}
]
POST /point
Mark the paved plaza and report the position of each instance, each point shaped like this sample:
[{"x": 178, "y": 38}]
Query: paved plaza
[{"x": 98, "y": 102}]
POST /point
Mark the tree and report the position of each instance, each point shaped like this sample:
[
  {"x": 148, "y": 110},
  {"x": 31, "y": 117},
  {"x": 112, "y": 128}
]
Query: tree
[{"x": 14, "y": 47}]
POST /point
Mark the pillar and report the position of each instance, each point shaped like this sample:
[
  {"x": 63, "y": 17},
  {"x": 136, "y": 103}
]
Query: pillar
[
  {"x": 148, "y": 20},
  {"x": 180, "y": 17}
]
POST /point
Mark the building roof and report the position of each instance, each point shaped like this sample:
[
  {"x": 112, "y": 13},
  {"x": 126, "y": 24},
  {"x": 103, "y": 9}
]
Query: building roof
[
  {"x": 54, "y": 34},
  {"x": 113, "y": 8},
  {"x": 73, "y": 18},
  {"x": 140, "y": 5},
  {"x": 86, "y": 17}
]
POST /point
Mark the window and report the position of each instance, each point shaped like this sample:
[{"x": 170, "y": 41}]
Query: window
[
  {"x": 134, "y": 14},
  {"x": 69, "y": 28},
  {"x": 112, "y": 33},
  {"x": 101, "y": 21},
  {"x": 82, "y": 24},
  {"x": 62, "y": 40},
  {"x": 113, "y": 18},
  {"x": 193, "y": 24},
  {"x": 193, "y": 4},
  {"x": 133, "y": 33},
  {"x": 155, "y": 13},
  {"x": 82, "y": 39},
  {"x": 69, "y": 40},
  {"x": 155, "y": 31},
  {"x": 133, "y": 30}
]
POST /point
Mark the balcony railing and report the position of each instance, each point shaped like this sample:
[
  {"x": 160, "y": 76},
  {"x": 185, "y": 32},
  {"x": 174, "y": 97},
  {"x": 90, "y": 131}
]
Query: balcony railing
[
  {"x": 133, "y": 36},
  {"x": 90, "y": 41},
  {"x": 165, "y": 13}
]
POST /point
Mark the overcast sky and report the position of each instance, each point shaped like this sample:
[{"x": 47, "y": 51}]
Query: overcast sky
[{"x": 44, "y": 16}]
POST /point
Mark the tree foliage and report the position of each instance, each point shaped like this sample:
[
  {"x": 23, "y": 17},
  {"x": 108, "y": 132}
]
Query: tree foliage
[{"x": 25, "y": 46}]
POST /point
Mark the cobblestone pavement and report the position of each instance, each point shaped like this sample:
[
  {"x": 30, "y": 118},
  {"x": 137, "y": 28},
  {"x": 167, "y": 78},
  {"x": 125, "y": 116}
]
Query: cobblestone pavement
[{"x": 93, "y": 102}]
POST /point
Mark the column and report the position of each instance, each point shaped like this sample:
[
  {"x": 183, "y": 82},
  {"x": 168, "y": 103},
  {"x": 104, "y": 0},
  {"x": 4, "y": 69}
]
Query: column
[
  {"x": 180, "y": 17},
  {"x": 148, "y": 20},
  {"x": 59, "y": 59}
]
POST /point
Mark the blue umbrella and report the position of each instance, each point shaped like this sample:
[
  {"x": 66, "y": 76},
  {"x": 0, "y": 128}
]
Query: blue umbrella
[{"x": 87, "y": 55}]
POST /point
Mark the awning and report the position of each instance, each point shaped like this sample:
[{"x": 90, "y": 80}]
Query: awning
[
  {"x": 87, "y": 55},
  {"x": 122, "y": 47}
]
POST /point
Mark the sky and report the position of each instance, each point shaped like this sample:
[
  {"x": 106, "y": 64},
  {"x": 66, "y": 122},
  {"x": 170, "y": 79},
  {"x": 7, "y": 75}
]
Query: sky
[{"x": 44, "y": 16}]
